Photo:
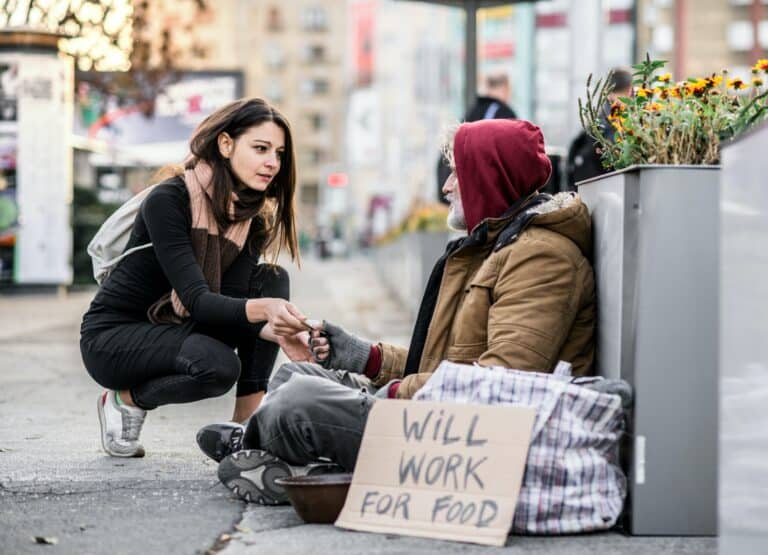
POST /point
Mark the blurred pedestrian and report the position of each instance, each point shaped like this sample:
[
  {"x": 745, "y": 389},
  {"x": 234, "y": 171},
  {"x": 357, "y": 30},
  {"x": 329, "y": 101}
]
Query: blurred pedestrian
[
  {"x": 584, "y": 157},
  {"x": 517, "y": 291},
  {"x": 164, "y": 325},
  {"x": 492, "y": 104}
]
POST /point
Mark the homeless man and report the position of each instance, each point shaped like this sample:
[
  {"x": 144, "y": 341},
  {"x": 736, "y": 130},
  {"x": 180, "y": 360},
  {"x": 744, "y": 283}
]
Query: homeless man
[{"x": 517, "y": 291}]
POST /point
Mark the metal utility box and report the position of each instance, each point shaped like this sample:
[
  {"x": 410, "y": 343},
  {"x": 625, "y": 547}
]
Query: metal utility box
[{"x": 743, "y": 496}]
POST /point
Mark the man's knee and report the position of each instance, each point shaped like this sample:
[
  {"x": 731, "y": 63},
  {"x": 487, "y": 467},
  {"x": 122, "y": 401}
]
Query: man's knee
[
  {"x": 285, "y": 371},
  {"x": 290, "y": 403}
]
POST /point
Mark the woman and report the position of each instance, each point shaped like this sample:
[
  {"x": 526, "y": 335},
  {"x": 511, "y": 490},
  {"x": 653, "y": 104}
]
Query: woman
[{"x": 164, "y": 325}]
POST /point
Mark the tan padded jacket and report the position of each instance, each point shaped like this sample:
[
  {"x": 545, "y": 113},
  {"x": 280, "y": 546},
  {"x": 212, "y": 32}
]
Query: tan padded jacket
[{"x": 525, "y": 306}]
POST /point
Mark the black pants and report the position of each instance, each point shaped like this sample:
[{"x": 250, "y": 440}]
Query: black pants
[{"x": 166, "y": 363}]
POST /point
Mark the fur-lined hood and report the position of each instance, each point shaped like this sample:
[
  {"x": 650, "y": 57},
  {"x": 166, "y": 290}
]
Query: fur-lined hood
[
  {"x": 563, "y": 213},
  {"x": 567, "y": 215}
]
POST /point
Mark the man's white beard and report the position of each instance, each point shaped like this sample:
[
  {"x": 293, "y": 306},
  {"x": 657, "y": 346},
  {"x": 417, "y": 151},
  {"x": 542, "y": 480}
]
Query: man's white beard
[{"x": 456, "y": 218}]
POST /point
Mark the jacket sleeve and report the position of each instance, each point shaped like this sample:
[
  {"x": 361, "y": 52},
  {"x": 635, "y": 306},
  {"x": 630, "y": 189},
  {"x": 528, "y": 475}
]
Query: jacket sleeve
[
  {"x": 533, "y": 306},
  {"x": 167, "y": 223},
  {"x": 411, "y": 384},
  {"x": 392, "y": 364}
]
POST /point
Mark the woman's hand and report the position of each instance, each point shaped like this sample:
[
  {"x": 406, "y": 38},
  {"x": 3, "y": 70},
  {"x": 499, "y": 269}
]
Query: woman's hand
[
  {"x": 284, "y": 318},
  {"x": 296, "y": 347}
]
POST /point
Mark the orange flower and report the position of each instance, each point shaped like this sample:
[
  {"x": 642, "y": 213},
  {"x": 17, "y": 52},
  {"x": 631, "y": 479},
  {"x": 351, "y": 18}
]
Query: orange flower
[
  {"x": 616, "y": 108},
  {"x": 762, "y": 64},
  {"x": 655, "y": 107},
  {"x": 736, "y": 84}
]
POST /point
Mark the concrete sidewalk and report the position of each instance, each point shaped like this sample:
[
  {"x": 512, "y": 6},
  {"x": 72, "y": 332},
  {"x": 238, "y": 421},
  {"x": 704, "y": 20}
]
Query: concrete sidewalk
[{"x": 56, "y": 483}]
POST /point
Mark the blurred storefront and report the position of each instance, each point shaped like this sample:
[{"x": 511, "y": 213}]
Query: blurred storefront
[
  {"x": 125, "y": 141},
  {"x": 36, "y": 84}
]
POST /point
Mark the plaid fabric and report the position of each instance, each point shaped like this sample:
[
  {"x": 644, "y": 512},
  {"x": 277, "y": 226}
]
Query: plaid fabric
[{"x": 572, "y": 481}]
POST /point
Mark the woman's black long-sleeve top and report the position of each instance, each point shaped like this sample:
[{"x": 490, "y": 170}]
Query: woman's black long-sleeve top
[{"x": 145, "y": 276}]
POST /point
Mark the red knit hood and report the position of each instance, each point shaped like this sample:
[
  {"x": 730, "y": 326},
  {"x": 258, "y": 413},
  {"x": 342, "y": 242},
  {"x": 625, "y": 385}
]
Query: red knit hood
[{"x": 498, "y": 162}]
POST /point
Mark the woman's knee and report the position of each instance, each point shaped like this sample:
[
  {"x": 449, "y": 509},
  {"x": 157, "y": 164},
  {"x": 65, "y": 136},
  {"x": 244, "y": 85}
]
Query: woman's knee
[
  {"x": 270, "y": 280},
  {"x": 209, "y": 361}
]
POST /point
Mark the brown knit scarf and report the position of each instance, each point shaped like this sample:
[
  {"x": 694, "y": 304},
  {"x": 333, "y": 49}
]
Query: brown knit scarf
[{"x": 214, "y": 252}]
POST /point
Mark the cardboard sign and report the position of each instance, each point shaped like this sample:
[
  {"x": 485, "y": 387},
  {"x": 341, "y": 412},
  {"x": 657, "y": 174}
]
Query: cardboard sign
[{"x": 439, "y": 470}]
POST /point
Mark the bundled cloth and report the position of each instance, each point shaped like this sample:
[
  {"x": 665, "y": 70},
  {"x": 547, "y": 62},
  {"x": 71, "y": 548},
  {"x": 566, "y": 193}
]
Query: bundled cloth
[{"x": 572, "y": 481}]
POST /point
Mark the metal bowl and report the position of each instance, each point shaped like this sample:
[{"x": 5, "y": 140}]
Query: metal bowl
[{"x": 317, "y": 499}]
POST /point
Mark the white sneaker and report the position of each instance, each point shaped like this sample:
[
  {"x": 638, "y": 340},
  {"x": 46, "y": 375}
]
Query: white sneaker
[{"x": 120, "y": 426}]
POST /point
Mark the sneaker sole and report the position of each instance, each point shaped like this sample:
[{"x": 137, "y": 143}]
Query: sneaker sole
[
  {"x": 103, "y": 425},
  {"x": 251, "y": 476}
]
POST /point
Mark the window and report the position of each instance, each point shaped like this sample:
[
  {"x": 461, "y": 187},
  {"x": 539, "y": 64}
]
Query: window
[
  {"x": 309, "y": 193},
  {"x": 317, "y": 121},
  {"x": 740, "y": 36},
  {"x": 312, "y": 53},
  {"x": 274, "y": 55},
  {"x": 316, "y": 86},
  {"x": 274, "y": 19},
  {"x": 312, "y": 156},
  {"x": 314, "y": 18},
  {"x": 663, "y": 39},
  {"x": 274, "y": 91}
]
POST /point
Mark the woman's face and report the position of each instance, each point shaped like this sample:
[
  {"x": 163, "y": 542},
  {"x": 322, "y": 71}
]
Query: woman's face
[{"x": 256, "y": 155}]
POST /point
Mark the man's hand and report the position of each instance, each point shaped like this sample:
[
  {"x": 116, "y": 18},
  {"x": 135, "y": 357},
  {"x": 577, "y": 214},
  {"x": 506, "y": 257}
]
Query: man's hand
[{"x": 333, "y": 347}]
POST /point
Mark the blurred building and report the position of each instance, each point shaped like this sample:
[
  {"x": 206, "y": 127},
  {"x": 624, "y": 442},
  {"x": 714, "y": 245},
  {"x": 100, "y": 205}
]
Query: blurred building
[
  {"x": 406, "y": 78},
  {"x": 405, "y": 82},
  {"x": 705, "y": 36},
  {"x": 291, "y": 53},
  {"x": 575, "y": 38}
]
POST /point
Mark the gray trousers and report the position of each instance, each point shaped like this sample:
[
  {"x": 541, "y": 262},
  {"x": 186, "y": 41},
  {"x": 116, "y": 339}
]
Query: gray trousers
[{"x": 310, "y": 413}]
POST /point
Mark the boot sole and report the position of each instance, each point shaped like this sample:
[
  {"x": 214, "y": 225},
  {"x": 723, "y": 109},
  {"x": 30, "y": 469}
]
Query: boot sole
[{"x": 251, "y": 476}]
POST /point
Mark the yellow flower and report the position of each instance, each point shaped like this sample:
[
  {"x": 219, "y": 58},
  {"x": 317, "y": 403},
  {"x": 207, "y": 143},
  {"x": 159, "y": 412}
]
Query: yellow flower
[
  {"x": 694, "y": 88},
  {"x": 676, "y": 92},
  {"x": 655, "y": 107},
  {"x": 642, "y": 92},
  {"x": 664, "y": 78},
  {"x": 757, "y": 82},
  {"x": 713, "y": 81},
  {"x": 762, "y": 64},
  {"x": 662, "y": 92},
  {"x": 736, "y": 84}
]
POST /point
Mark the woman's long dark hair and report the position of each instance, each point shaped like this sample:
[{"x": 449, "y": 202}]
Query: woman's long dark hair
[{"x": 275, "y": 206}]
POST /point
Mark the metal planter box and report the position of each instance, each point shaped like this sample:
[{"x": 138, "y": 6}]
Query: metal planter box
[{"x": 656, "y": 238}]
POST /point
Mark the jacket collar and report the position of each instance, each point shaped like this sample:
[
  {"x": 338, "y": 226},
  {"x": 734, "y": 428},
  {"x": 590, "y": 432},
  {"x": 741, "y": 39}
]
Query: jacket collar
[{"x": 505, "y": 229}]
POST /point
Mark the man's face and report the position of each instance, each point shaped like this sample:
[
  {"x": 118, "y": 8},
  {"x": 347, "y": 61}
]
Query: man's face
[{"x": 456, "y": 214}]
